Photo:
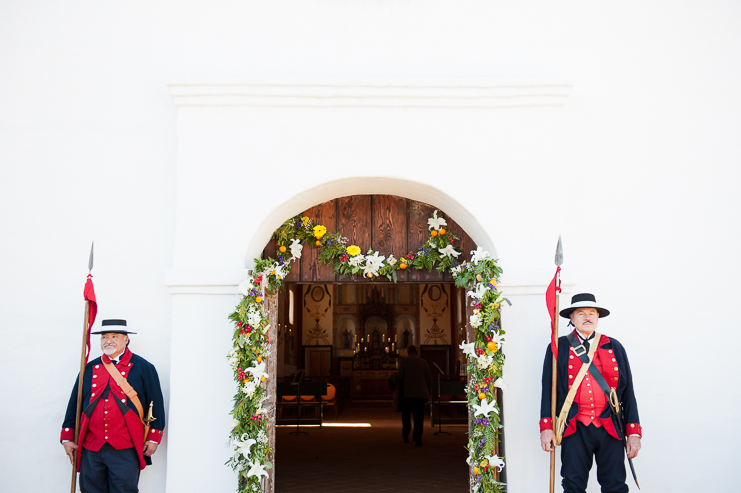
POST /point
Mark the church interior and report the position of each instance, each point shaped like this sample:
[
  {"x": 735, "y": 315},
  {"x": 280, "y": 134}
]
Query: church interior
[
  {"x": 340, "y": 341},
  {"x": 338, "y": 346}
]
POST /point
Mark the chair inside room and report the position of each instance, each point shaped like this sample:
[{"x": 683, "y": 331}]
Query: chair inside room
[{"x": 330, "y": 399}]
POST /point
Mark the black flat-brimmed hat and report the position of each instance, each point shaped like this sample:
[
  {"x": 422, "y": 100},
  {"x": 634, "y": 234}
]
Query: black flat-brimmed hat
[
  {"x": 584, "y": 300},
  {"x": 113, "y": 325}
]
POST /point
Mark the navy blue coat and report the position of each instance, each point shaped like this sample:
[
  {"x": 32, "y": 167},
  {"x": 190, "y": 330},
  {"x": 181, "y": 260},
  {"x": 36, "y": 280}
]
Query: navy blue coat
[
  {"x": 610, "y": 350},
  {"x": 142, "y": 376}
]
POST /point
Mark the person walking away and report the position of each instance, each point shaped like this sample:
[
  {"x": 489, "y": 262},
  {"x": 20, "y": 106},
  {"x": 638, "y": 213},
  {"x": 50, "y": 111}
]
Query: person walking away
[{"x": 415, "y": 380}]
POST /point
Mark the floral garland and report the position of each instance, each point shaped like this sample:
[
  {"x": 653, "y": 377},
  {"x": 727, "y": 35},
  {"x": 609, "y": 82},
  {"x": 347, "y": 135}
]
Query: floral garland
[{"x": 251, "y": 458}]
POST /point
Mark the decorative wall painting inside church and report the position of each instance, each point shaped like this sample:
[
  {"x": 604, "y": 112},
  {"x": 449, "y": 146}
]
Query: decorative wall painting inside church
[
  {"x": 317, "y": 318},
  {"x": 434, "y": 315}
]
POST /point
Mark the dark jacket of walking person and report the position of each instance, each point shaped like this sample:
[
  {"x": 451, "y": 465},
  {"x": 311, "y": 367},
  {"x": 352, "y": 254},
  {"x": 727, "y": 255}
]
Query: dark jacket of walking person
[{"x": 415, "y": 380}]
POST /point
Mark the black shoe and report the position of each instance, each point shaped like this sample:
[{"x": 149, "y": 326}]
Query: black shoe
[{"x": 405, "y": 438}]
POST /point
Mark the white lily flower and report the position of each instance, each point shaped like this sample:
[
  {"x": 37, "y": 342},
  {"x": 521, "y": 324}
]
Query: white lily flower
[
  {"x": 391, "y": 260},
  {"x": 356, "y": 260},
  {"x": 475, "y": 320},
  {"x": 469, "y": 349},
  {"x": 256, "y": 469},
  {"x": 436, "y": 222},
  {"x": 497, "y": 339},
  {"x": 479, "y": 291},
  {"x": 484, "y": 361},
  {"x": 279, "y": 272},
  {"x": 485, "y": 408},
  {"x": 500, "y": 384},
  {"x": 449, "y": 251},
  {"x": 244, "y": 287},
  {"x": 374, "y": 260},
  {"x": 249, "y": 388},
  {"x": 258, "y": 371},
  {"x": 479, "y": 254},
  {"x": 233, "y": 422},
  {"x": 370, "y": 268},
  {"x": 243, "y": 447},
  {"x": 296, "y": 248},
  {"x": 495, "y": 461},
  {"x": 254, "y": 318}
]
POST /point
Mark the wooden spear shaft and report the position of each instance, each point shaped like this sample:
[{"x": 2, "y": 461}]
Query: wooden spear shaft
[
  {"x": 554, "y": 378},
  {"x": 79, "y": 395}
]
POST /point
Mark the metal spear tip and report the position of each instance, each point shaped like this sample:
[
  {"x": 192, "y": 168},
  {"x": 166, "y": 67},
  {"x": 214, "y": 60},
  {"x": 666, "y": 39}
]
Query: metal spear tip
[
  {"x": 559, "y": 253},
  {"x": 90, "y": 261}
]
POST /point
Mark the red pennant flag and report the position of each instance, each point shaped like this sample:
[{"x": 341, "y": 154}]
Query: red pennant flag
[
  {"x": 89, "y": 295},
  {"x": 550, "y": 301}
]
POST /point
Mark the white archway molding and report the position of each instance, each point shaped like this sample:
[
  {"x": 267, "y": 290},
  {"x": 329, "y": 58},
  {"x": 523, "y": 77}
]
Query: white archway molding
[{"x": 367, "y": 186}]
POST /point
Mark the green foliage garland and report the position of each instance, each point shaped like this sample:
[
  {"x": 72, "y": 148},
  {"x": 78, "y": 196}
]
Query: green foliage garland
[{"x": 485, "y": 360}]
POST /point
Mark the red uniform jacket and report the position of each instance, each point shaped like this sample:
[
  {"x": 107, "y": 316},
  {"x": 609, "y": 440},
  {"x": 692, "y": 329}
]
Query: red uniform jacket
[
  {"x": 108, "y": 415},
  {"x": 613, "y": 363}
]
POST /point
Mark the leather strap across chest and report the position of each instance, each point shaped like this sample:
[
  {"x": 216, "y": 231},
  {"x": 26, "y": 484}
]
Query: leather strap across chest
[
  {"x": 125, "y": 387},
  {"x": 582, "y": 355},
  {"x": 563, "y": 416}
]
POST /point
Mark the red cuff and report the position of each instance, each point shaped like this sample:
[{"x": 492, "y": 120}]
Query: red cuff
[
  {"x": 546, "y": 424},
  {"x": 633, "y": 429},
  {"x": 67, "y": 434},
  {"x": 154, "y": 436}
]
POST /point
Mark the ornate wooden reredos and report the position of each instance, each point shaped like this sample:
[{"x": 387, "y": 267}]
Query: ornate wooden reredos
[{"x": 386, "y": 223}]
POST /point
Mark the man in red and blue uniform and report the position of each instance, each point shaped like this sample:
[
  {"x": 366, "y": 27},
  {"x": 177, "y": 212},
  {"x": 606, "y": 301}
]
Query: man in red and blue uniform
[
  {"x": 113, "y": 446},
  {"x": 592, "y": 430}
]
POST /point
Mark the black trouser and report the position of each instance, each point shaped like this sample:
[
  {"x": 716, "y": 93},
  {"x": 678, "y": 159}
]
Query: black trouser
[
  {"x": 576, "y": 460},
  {"x": 109, "y": 470},
  {"x": 415, "y": 406}
]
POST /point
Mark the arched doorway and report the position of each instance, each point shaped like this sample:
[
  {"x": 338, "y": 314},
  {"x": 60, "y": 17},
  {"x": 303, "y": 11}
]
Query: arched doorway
[{"x": 350, "y": 333}]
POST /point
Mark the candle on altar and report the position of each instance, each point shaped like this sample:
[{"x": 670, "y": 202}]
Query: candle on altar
[{"x": 392, "y": 346}]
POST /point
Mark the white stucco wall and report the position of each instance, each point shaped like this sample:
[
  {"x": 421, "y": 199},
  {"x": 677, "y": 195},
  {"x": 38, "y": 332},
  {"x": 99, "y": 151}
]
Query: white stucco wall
[{"x": 637, "y": 170}]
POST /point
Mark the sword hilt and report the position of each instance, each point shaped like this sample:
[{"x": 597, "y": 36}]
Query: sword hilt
[{"x": 150, "y": 417}]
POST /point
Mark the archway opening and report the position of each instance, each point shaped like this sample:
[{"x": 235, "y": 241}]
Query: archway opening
[{"x": 340, "y": 340}]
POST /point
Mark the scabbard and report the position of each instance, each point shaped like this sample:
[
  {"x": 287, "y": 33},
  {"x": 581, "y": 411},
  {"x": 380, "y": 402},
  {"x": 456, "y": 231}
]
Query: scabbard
[
  {"x": 632, "y": 470},
  {"x": 616, "y": 413}
]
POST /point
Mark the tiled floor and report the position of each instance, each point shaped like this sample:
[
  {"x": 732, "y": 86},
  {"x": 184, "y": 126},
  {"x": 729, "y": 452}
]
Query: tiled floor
[{"x": 371, "y": 459}]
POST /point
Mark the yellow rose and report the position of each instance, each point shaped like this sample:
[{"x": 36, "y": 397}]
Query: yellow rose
[
  {"x": 493, "y": 282},
  {"x": 305, "y": 219},
  {"x": 353, "y": 250},
  {"x": 319, "y": 231},
  {"x": 479, "y": 278}
]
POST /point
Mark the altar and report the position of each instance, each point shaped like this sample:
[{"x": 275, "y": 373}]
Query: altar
[{"x": 371, "y": 385}]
